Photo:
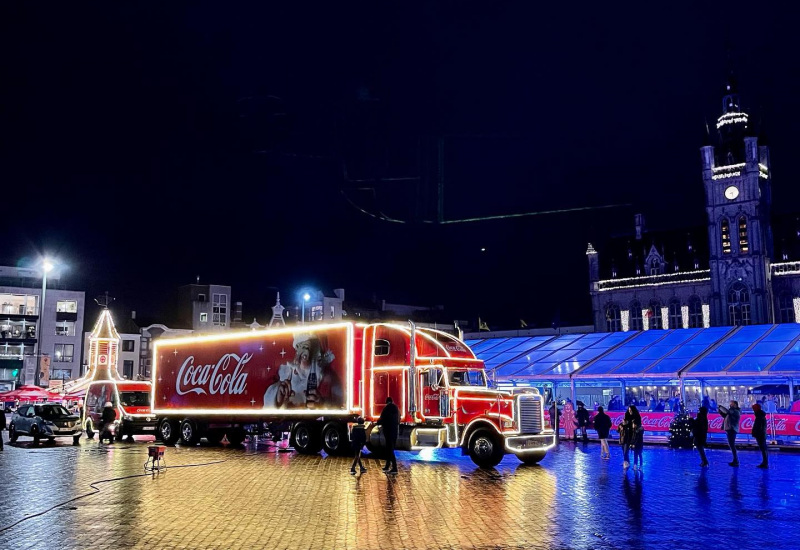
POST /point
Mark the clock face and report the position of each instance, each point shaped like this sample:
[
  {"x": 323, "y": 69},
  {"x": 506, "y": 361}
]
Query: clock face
[{"x": 731, "y": 192}]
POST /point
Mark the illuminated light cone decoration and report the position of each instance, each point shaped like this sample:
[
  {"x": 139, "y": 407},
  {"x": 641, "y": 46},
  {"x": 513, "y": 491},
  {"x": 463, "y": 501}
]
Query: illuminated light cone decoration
[{"x": 104, "y": 343}]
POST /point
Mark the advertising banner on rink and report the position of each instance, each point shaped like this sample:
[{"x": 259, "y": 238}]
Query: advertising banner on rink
[
  {"x": 295, "y": 369},
  {"x": 783, "y": 423}
]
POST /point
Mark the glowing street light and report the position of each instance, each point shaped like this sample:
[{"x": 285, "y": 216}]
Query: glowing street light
[
  {"x": 306, "y": 298},
  {"x": 47, "y": 267}
]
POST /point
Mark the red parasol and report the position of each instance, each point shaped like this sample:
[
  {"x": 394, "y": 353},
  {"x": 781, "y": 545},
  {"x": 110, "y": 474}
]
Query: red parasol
[{"x": 29, "y": 393}]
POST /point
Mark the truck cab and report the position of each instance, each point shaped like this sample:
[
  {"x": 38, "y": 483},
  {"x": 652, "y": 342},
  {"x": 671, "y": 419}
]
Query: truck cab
[
  {"x": 444, "y": 399},
  {"x": 130, "y": 399}
]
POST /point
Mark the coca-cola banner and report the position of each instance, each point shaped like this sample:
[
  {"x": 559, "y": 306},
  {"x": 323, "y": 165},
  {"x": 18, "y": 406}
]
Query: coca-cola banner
[
  {"x": 290, "y": 370},
  {"x": 783, "y": 423}
]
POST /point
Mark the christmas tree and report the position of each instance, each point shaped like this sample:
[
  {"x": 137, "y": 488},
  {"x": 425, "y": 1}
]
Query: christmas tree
[{"x": 680, "y": 430}]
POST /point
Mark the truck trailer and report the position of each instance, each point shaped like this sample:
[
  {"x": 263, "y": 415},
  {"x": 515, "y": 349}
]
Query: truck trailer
[{"x": 317, "y": 379}]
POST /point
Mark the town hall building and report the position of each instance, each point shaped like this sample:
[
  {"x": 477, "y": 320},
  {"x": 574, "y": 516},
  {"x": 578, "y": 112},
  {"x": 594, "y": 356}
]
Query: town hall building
[{"x": 724, "y": 274}]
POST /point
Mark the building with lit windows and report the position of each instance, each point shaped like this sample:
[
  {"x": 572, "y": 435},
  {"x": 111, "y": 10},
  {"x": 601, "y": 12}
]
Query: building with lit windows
[
  {"x": 205, "y": 308},
  {"x": 723, "y": 274},
  {"x": 59, "y": 325}
]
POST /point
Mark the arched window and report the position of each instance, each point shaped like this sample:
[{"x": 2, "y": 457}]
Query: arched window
[
  {"x": 786, "y": 309},
  {"x": 695, "y": 312},
  {"x": 725, "y": 227},
  {"x": 744, "y": 247},
  {"x": 655, "y": 267},
  {"x": 654, "y": 316},
  {"x": 738, "y": 305},
  {"x": 613, "y": 318},
  {"x": 675, "y": 316},
  {"x": 635, "y": 316}
]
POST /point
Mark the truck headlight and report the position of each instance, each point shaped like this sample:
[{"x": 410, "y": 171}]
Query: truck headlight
[{"x": 508, "y": 424}]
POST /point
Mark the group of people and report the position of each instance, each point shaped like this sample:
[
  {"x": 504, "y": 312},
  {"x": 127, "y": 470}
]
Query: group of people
[
  {"x": 631, "y": 431},
  {"x": 389, "y": 421}
]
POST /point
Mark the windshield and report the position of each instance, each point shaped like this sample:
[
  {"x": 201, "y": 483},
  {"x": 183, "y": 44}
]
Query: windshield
[
  {"x": 135, "y": 398},
  {"x": 467, "y": 378},
  {"x": 52, "y": 411}
]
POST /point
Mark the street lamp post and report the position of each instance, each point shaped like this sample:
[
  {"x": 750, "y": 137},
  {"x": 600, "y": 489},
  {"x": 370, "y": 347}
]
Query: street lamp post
[
  {"x": 306, "y": 297},
  {"x": 47, "y": 266}
]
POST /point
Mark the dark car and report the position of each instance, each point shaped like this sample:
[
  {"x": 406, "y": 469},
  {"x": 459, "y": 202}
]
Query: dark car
[{"x": 49, "y": 420}]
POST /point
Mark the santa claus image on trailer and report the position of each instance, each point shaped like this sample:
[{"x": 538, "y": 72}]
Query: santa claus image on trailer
[{"x": 307, "y": 381}]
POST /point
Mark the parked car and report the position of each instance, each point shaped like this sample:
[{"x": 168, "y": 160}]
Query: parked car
[{"x": 49, "y": 420}]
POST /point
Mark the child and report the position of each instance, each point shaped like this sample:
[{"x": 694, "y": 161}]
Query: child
[
  {"x": 638, "y": 445},
  {"x": 358, "y": 437}
]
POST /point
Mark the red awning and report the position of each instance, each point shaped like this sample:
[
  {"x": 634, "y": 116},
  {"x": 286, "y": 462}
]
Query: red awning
[{"x": 29, "y": 393}]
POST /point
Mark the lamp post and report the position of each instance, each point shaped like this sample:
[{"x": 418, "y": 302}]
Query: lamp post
[
  {"x": 306, "y": 297},
  {"x": 47, "y": 267}
]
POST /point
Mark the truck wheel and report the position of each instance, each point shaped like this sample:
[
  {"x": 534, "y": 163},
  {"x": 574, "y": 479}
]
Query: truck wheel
[
  {"x": 89, "y": 429},
  {"x": 485, "y": 448},
  {"x": 305, "y": 438},
  {"x": 168, "y": 431},
  {"x": 236, "y": 437},
  {"x": 190, "y": 435},
  {"x": 335, "y": 440},
  {"x": 531, "y": 458},
  {"x": 12, "y": 434}
]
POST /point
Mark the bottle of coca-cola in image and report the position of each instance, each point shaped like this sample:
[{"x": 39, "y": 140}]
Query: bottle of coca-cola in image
[{"x": 311, "y": 385}]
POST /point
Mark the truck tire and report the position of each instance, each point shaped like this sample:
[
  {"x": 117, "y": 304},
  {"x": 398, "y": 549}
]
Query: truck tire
[
  {"x": 89, "y": 429},
  {"x": 190, "y": 434},
  {"x": 168, "y": 431},
  {"x": 335, "y": 441},
  {"x": 306, "y": 438},
  {"x": 485, "y": 448},
  {"x": 236, "y": 437},
  {"x": 531, "y": 458}
]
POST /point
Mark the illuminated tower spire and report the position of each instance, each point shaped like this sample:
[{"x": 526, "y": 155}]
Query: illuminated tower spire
[{"x": 277, "y": 313}]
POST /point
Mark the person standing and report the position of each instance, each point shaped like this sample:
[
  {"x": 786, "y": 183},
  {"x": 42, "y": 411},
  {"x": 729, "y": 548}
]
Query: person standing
[
  {"x": 626, "y": 434},
  {"x": 582, "y": 417},
  {"x": 2, "y": 427},
  {"x": 107, "y": 420},
  {"x": 638, "y": 443},
  {"x": 358, "y": 438},
  {"x": 731, "y": 414},
  {"x": 602, "y": 423},
  {"x": 554, "y": 415},
  {"x": 700, "y": 434},
  {"x": 760, "y": 433},
  {"x": 389, "y": 422}
]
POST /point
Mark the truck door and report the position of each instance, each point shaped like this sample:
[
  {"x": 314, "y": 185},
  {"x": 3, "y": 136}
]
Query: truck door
[{"x": 431, "y": 383}]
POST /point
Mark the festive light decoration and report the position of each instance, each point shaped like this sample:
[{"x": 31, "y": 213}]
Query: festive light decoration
[
  {"x": 685, "y": 316},
  {"x": 726, "y": 175},
  {"x": 706, "y": 316},
  {"x": 728, "y": 167},
  {"x": 680, "y": 430},
  {"x": 796, "y": 305},
  {"x": 624, "y": 318},
  {"x": 664, "y": 317},
  {"x": 786, "y": 268},
  {"x": 732, "y": 118},
  {"x": 645, "y": 319},
  {"x": 697, "y": 275}
]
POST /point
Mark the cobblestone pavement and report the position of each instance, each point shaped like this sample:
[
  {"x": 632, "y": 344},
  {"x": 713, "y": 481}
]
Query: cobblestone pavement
[{"x": 259, "y": 498}]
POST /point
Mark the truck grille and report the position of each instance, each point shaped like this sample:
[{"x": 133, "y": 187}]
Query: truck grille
[{"x": 530, "y": 414}]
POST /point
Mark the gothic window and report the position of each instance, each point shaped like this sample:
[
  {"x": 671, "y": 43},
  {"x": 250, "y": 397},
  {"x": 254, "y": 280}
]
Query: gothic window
[
  {"x": 654, "y": 316},
  {"x": 726, "y": 236},
  {"x": 613, "y": 318},
  {"x": 695, "y": 312},
  {"x": 743, "y": 245},
  {"x": 738, "y": 305},
  {"x": 675, "y": 316},
  {"x": 635, "y": 316},
  {"x": 655, "y": 267},
  {"x": 786, "y": 309}
]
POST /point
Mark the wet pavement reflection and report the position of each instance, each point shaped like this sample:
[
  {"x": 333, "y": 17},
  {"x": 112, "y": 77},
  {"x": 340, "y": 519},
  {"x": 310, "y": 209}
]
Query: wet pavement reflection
[{"x": 260, "y": 496}]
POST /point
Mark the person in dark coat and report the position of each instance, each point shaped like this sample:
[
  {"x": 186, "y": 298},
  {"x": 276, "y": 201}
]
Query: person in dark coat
[
  {"x": 389, "y": 422},
  {"x": 602, "y": 424},
  {"x": 106, "y": 421},
  {"x": 700, "y": 433},
  {"x": 730, "y": 424},
  {"x": 358, "y": 438},
  {"x": 2, "y": 427},
  {"x": 582, "y": 416},
  {"x": 627, "y": 431},
  {"x": 760, "y": 433},
  {"x": 638, "y": 443},
  {"x": 554, "y": 415}
]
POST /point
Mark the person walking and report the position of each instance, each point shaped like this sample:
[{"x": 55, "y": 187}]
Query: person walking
[
  {"x": 389, "y": 422},
  {"x": 582, "y": 417},
  {"x": 107, "y": 420},
  {"x": 760, "y": 433},
  {"x": 731, "y": 414},
  {"x": 358, "y": 438},
  {"x": 602, "y": 424},
  {"x": 638, "y": 443},
  {"x": 700, "y": 434}
]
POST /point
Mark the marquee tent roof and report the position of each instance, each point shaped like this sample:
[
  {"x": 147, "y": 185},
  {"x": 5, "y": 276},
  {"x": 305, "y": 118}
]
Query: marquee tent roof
[{"x": 750, "y": 351}]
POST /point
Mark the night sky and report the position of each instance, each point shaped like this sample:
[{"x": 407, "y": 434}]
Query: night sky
[{"x": 148, "y": 143}]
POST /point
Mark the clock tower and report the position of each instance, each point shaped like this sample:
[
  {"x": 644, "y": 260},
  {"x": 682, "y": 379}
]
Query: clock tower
[{"x": 737, "y": 179}]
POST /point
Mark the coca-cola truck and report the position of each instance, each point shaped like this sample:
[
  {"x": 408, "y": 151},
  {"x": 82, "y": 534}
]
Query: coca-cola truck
[{"x": 318, "y": 379}]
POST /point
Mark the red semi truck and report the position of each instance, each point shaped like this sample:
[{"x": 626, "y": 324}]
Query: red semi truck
[{"x": 317, "y": 379}]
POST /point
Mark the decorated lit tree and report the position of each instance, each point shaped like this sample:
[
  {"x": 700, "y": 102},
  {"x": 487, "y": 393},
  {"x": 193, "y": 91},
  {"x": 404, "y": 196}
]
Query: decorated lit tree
[{"x": 680, "y": 430}]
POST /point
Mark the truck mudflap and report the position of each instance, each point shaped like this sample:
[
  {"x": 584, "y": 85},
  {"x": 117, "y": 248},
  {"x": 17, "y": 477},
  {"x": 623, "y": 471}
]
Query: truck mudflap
[{"x": 521, "y": 444}]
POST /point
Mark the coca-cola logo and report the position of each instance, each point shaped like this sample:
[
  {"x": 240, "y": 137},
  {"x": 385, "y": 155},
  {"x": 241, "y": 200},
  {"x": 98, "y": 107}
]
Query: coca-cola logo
[
  {"x": 213, "y": 378},
  {"x": 455, "y": 347},
  {"x": 432, "y": 397}
]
